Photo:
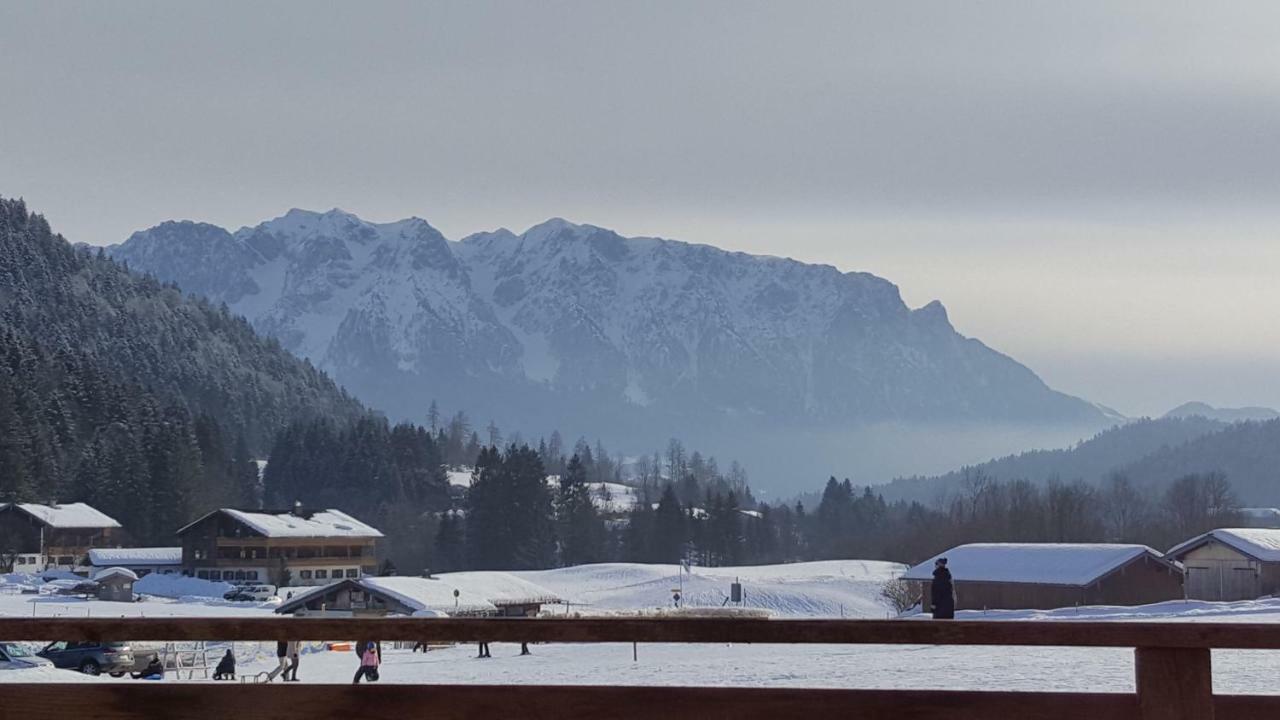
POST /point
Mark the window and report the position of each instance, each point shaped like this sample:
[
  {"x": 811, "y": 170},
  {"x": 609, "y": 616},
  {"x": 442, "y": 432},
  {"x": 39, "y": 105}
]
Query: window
[
  {"x": 65, "y": 560},
  {"x": 353, "y": 573},
  {"x": 215, "y": 574},
  {"x": 239, "y": 575},
  {"x": 305, "y": 574},
  {"x": 202, "y": 574},
  {"x": 251, "y": 575},
  {"x": 322, "y": 574}
]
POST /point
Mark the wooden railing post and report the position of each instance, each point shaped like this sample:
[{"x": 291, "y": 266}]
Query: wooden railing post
[{"x": 1174, "y": 683}]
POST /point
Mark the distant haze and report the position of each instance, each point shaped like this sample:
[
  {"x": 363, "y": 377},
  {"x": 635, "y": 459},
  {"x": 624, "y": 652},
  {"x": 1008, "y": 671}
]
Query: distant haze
[{"x": 1089, "y": 187}]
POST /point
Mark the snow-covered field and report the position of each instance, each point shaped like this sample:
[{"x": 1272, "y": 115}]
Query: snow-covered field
[
  {"x": 802, "y": 590},
  {"x": 832, "y": 588}
]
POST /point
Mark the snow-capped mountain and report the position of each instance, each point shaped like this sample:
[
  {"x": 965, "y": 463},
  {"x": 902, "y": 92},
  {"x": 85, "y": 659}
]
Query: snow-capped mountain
[{"x": 575, "y": 326}]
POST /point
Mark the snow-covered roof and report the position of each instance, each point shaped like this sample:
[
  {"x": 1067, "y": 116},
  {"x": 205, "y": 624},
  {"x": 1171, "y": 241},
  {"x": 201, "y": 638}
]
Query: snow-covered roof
[
  {"x": 499, "y": 588},
  {"x": 422, "y": 593},
  {"x": 114, "y": 571},
  {"x": 1037, "y": 563},
  {"x": 107, "y": 557},
  {"x": 1261, "y": 544},
  {"x": 68, "y": 515},
  {"x": 320, "y": 524}
]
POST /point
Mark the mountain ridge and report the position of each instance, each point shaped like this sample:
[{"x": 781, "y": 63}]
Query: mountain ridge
[{"x": 575, "y": 325}]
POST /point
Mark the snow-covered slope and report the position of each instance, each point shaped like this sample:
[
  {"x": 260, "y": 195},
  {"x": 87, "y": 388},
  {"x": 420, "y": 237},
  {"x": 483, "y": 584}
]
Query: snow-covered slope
[{"x": 831, "y": 588}]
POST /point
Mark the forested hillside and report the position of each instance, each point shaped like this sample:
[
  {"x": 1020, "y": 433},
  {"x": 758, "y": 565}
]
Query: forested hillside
[
  {"x": 120, "y": 391},
  {"x": 1089, "y": 460},
  {"x": 1248, "y": 454}
]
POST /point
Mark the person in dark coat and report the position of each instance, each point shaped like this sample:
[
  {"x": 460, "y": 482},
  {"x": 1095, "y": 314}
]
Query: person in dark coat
[
  {"x": 226, "y": 669},
  {"x": 942, "y": 594},
  {"x": 153, "y": 671}
]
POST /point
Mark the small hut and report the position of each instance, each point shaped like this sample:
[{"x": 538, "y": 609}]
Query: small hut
[{"x": 115, "y": 584}]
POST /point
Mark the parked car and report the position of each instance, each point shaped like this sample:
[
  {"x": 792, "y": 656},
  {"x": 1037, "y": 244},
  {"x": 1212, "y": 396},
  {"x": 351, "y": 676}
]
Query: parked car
[
  {"x": 252, "y": 593},
  {"x": 20, "y": 656},
  {"x": 91, "y": 658}
]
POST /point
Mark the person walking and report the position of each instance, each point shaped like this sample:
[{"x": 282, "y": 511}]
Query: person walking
[
  {"x": 293, "y": 650},
  {"x": 369, "y": 662},
  {"x": 484, "y": 650},
  {"x": 941, "y": 593},
  {"x": 282, "y": 661}
]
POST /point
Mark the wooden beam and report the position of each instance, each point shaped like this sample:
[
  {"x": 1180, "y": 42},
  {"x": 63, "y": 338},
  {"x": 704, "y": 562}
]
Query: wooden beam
[
  {"x": 1174, "y": 683},
  {"x": 1246, "y": 707},
  {"x": 121, "y": 701},
  {"x": 665, "y": 630}
]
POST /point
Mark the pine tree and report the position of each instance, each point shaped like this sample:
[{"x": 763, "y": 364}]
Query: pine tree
[{"x": 581, "y": 529}]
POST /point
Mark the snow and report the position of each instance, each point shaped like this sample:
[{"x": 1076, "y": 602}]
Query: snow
[
  {"x": 429, "y": 594},
  {"x": 69, "y": 515},
  {"x": 106, "y": 557},
  {"x": 499, "y": 588},
  {"x": 622, "y": 498},
  {"x": 180, "y": 586},
  {"x": 721, "y": 664},
  {"x": 325, "y": 523},
  {"x": 1259, "y": 543},
  {"x": 1040, "y": 563},
  {"x": 830, "y": 588},
  {"x": 113, "y": 571}
]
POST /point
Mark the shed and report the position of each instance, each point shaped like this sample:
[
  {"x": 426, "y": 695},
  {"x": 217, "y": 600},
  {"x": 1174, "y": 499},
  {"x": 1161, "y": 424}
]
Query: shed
[
  {"x": 1231, "y": 563},
  {"x": 1044, "y": 576},
  {"x": 115, "y": 584}
]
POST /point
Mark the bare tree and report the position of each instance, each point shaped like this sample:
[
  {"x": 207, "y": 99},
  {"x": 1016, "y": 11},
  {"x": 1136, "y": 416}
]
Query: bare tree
[
  {"x": 1127, "y": 512},
  {"x": 902, "y": 595}
]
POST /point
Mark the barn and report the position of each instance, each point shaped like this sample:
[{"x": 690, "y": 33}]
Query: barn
[
  {"x": 1043, "y": 576},
  {"x": 1231, "y": 563}
]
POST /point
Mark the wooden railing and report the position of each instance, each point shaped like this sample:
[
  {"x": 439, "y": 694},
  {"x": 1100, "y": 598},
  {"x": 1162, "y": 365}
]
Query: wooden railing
[{"x": 1172, "y": 664}]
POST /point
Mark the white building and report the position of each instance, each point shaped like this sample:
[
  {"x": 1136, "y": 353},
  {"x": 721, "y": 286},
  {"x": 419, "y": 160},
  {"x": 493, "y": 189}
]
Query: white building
[{"x": 142, "y": 561}]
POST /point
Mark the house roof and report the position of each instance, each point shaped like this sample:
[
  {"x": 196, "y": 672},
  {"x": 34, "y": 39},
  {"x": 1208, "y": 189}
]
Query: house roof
[
  {"x": 113, "y": 572},
  {"x": 1071, "y": 564},
  {"x": 319, "y": 524},
  {"x": 1262, "y": 544},
  {"x": 107, "y": 557},
  {"x": 479, "y": 593},
  {"x": 416, "y": 594},
  {"x": 67, "y": 515}
]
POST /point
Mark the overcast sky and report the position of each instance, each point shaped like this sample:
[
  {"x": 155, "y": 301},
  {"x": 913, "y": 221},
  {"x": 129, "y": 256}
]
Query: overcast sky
[{"x": 1089, "y": 187}]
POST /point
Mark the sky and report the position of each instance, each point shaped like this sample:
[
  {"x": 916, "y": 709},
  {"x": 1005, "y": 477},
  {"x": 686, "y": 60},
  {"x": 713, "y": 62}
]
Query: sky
[{"x": 1090, "y": 187}]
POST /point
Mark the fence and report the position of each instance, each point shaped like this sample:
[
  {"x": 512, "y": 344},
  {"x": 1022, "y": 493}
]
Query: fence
[{"x": 1172, "y": 664}]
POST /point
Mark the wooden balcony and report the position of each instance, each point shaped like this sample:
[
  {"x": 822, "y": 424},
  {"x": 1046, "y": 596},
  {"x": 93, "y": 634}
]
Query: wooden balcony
[{"x": 1172, "y": 663}]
